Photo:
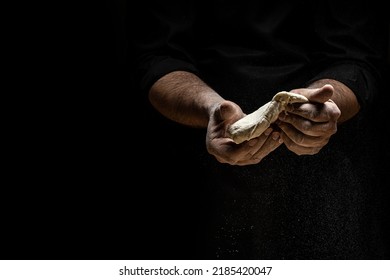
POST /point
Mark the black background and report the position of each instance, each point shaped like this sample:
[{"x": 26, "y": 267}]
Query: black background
[{"x": 98, "y": 174}]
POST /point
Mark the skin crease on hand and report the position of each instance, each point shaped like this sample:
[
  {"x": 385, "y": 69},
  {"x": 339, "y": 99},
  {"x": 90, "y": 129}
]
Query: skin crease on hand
[{"x": 305, "y": 128}]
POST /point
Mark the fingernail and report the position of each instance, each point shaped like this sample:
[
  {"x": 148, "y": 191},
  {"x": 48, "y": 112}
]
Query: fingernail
[
  {"x": 252, "y": 142},
  {"x": 275, "y": 136},
  {"x": 268, "y": 131}
]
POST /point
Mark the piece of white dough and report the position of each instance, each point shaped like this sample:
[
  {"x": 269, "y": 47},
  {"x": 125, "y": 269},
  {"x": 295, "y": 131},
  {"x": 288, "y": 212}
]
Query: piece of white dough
[{"x": 254, "y": 124}]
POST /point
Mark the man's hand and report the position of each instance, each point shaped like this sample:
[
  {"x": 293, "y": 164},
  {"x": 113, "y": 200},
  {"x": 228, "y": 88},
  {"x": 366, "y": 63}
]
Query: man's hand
[
  {"x": 306, "y": 128},
  {"x": 225, "y": 150}
]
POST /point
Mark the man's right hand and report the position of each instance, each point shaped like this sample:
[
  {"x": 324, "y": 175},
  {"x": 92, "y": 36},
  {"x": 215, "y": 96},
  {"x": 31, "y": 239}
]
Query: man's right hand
[{"x": 225, "y": 150}]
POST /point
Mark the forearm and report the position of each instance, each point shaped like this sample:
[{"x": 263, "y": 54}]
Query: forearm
[
  {"x": 343, "y": 96},
  {"x": 184, "y": 98}
]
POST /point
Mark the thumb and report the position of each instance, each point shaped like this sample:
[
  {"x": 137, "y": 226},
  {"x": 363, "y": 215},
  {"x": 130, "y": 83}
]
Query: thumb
[
  {"x": 318, "y": 95},
  {"x": 228, "y": 110},
  {"x": 321, "y": 95}
]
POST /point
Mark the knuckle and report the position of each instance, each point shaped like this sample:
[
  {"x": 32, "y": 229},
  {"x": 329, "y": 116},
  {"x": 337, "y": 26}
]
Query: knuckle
[
  {"x": 300, "y": 152},
  {"x": 333, "y": 114},
  {"x": 337, "y": 113},
  {"x": 300, "y": 139},
  {"x": 312, "y": 152},
  {"x": 331, "y": 128},
  {"x": 305, "y": 126},
  {"x": 308, "y": 152}
]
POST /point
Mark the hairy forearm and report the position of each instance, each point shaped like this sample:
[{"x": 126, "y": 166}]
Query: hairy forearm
[
  {"x": 184, "y": 98},
  {"x": 343, "y": 96}
]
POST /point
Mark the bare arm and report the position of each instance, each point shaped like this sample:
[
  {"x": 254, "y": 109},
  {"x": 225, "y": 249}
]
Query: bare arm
[{"x": 183, "y": 97}]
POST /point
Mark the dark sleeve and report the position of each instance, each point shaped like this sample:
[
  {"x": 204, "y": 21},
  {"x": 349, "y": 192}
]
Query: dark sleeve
[
  {"x": 351, "y": 46},
  {"x": 160, "y": 35}
]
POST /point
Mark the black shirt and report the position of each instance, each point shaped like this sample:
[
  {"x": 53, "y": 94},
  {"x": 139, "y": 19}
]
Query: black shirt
[
  {"x": 326, "y": 206},
  {"x": 240, "y": 47}
]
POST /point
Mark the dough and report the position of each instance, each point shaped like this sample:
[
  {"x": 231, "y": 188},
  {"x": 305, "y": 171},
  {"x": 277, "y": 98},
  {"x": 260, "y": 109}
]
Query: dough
[{"x": 254, "y": 124}]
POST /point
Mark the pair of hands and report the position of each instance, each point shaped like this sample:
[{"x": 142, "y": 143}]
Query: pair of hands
[{"x": 305, "y": 128}]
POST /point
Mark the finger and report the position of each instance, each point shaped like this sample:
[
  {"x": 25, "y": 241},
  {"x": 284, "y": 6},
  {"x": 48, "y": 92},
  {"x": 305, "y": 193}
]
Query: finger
[
  {"x": 316, "y": 112},
  {"x": 270, "y": 145},
  {"x": 321, "y": 95},
  {"x": 247, "y": 149},
  {"x": 228, "y": 111},
  {"x": 256, "y": 143},
  {"x": 230, "y": 152},
  {"x": 265, "y": 151},
  {"x": 306, "y": 126},
  {"x": 298, "y": 149},
  {"x": 266, "y": 141},
  {"x": 299, "y": 138},
  {"x": 240, "y": 162},
  {"x": 249, "y": 152},
  {"x": 317, "y": 95}
]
